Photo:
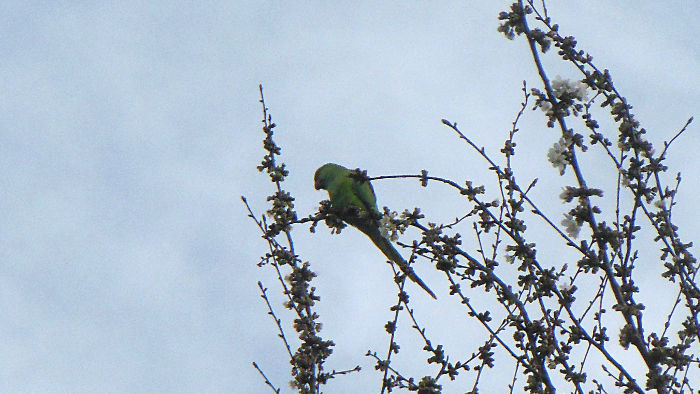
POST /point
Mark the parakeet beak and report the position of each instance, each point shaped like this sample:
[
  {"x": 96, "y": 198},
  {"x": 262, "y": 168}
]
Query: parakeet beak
[{"x": 318, "y": 184}]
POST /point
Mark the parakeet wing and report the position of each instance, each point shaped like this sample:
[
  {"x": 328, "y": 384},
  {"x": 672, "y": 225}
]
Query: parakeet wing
[{"x": 365, "y": 194}]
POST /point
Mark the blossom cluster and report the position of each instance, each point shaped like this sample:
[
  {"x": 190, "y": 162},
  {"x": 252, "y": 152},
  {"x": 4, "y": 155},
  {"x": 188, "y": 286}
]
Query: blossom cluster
[
  {"x": 390, "y": 226},
  {"x": 575, "y": 89},
  {"x": 565, "y": 90},
  {"x": 558, "y": 154}
]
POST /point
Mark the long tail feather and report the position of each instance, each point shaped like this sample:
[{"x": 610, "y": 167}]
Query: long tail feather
[{"x": 392, "y": 254}]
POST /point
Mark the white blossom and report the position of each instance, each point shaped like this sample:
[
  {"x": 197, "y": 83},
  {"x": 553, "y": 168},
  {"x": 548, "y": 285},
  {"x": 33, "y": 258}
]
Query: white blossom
[
  {"x": 577, "y": 89},
  {"x": 565, "y": 287},
  {"x": 387, "y": 227},
  {"x": 570, "y": 226},
  {"x": 564, "y": 195},
  {"x": 660, "y": 204},
  {"x": 546, "y": 107},
  {"x": 557, "y": 155}
]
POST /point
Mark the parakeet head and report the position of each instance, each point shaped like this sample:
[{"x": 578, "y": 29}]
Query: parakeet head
[{"x": 325, "y": 173}]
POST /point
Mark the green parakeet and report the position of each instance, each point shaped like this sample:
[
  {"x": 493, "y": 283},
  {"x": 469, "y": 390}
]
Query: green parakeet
[{"x": 357, "y": 205}]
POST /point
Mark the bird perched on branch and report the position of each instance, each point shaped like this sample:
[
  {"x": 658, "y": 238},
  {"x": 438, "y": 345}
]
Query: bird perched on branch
[{"x": 356, "y": 204}]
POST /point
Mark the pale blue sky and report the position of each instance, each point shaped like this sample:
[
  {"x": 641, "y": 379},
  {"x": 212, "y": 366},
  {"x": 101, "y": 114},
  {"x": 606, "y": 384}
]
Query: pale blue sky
[{"x": 130, "y": 129}]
